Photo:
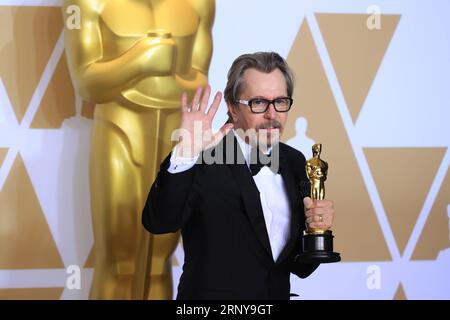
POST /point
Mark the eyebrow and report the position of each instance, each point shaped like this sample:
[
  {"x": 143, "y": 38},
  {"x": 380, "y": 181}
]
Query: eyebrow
[{"x": 262, "y": 97}]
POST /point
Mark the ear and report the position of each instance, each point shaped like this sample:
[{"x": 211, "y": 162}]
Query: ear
[{"x": 234, "y": 111}]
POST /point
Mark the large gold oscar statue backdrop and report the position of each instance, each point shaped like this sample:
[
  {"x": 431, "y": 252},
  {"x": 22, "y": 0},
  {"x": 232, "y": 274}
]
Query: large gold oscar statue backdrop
[{"x": 134, "y": 59}]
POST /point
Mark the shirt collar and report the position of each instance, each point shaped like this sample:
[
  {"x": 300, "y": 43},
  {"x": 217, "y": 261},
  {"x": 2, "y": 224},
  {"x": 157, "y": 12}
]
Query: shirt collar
[{"x": 245, "y": 147}]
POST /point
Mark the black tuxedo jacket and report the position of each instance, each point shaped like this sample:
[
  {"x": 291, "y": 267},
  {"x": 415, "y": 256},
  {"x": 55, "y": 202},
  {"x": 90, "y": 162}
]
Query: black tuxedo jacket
[{"x": 218, "y": 209}]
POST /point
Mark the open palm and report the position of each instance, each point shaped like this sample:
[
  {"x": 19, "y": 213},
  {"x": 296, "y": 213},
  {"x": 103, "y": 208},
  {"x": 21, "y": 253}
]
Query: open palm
[{"x": 196, "y": 124}]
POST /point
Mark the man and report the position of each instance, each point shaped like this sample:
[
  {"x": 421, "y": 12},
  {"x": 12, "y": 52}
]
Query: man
[{"x": 240, "y": 222}]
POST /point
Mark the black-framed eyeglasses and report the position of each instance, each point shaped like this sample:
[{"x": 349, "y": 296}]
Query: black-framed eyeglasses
[{"x": 260, "y": 105}]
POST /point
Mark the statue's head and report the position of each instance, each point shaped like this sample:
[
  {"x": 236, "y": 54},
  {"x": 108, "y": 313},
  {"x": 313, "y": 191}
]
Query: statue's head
[{"x": 316, "y": 149}]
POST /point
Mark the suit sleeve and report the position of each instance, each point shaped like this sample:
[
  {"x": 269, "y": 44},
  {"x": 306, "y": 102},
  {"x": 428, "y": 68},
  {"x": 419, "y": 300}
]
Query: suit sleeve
[
  {"x": 170, "y": 200},
  {"x": 303, "y": 270},
  {"x": 299, "y": 268}
]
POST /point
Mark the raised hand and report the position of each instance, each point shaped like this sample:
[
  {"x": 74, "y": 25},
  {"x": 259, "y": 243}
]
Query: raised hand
[{"x": 195, "y": 132}]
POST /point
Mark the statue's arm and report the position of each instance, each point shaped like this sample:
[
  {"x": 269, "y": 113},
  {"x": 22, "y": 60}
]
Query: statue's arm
[
  {"x": 309, "y": 170},
  {"x": 203, "y": 45},
  {"x": 98, "y": 80}
]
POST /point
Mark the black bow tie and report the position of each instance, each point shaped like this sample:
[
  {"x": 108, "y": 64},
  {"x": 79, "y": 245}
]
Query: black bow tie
[{"x": 259, "y": 160}]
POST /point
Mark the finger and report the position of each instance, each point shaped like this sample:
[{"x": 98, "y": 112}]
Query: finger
[
  {"x": 205, "y": 99},
  {"x": 195, "y": 101},
  {"x": 316, "y": 211},
  {"x": 319, "y": 225},
  {"x": 324, "y": 203},
  {"x": 316, "y": 218},
  {"x": 215, "y": 105},
  {"x": 184, "y": 104},
  {"x": 307, "y": 202}
]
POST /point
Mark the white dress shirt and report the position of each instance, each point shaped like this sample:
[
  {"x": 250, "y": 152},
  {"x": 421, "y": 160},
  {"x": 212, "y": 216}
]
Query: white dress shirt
[{"x": 272, "y": 193}]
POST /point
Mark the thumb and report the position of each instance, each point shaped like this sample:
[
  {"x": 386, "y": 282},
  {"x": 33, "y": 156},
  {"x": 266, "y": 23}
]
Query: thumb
[
  {"x": 220, "y": 134},
  {"x": 307, "y": 202},
  {"x": 226, "y": 128},
  {"x": 223, "y": 131}
]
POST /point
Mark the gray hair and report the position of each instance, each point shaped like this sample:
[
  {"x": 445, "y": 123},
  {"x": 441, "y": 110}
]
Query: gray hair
[{"x": 261, "y": 61}]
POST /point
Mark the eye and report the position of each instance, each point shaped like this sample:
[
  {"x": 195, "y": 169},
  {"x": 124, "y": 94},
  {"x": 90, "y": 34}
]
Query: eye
[
  {"x": 258, "y": 102},
  {"x": 281, "y": 101}
]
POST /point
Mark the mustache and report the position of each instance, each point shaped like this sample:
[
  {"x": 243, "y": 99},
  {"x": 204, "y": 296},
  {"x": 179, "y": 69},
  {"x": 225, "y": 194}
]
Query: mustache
[{"x": 272, "y": 124}]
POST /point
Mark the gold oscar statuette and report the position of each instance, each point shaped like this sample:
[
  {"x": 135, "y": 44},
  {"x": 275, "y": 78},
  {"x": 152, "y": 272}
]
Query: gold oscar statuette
[{"x": 317, "y": 244}]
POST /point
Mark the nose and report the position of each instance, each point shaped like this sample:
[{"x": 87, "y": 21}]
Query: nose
[{"x": 270, "y": 113}]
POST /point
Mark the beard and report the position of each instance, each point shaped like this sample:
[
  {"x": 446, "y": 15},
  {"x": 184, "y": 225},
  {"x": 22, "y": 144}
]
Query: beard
[
  {"x": 263, "y": 136},
  {"x": 268, "y": 134}
]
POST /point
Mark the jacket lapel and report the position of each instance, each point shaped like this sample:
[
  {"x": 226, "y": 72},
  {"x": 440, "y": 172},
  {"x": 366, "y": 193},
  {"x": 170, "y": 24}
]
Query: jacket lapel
[
  {"x": 252, "y": 201},
  {"x": 293, "y": 194},
  {"x": 250, "y": 194}
]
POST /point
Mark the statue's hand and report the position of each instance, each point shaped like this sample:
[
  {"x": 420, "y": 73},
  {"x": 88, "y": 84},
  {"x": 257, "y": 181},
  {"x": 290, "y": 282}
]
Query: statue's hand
[
  {"x": 195, "y": 130},
  {"x": 319, "y": 213}
]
